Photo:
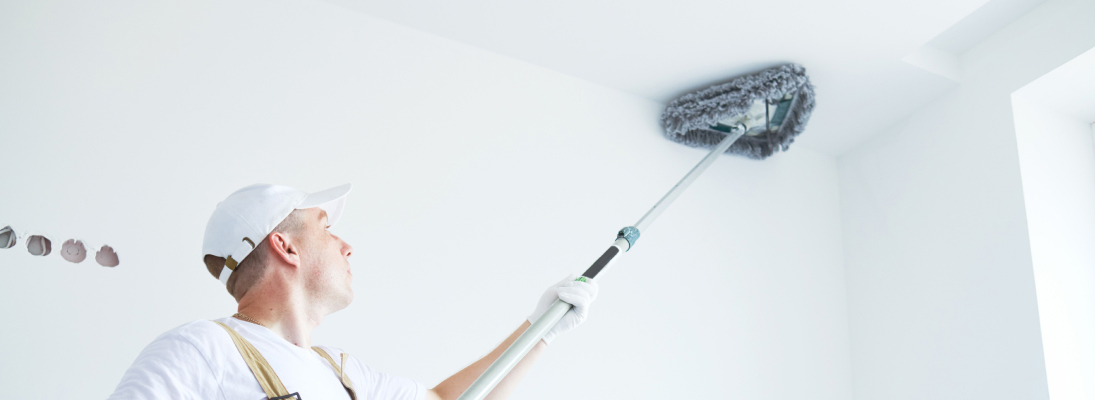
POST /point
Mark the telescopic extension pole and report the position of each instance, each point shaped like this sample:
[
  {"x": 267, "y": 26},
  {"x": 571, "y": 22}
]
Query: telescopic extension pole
[{"x": 625, "y": 239}]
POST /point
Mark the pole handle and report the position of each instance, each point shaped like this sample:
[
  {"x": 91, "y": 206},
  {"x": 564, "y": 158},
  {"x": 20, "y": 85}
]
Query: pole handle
[
  {"x": 516, "y": 351},
  {"x": 528, "y": 339}
]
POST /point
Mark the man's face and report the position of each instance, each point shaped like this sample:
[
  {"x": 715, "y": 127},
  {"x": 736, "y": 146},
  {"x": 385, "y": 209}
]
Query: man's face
[{"x": 325, "y": 261}]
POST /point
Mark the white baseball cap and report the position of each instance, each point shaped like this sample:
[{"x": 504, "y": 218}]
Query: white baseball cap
[{"x": 244, "y": 219}]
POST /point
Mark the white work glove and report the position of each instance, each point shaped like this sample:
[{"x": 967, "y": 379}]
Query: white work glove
[{"x": 578, "y": 294}]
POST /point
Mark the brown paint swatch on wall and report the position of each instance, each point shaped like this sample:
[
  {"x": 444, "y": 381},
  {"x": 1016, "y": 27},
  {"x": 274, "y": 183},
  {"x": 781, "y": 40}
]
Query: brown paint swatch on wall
[{"x": 106, "y": 257}]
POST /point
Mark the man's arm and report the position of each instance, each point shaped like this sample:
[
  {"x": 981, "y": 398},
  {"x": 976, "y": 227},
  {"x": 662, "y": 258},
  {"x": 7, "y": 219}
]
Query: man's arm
[
  {"x": 578, "y": 293},
  {"x": 451, "y": 388}
]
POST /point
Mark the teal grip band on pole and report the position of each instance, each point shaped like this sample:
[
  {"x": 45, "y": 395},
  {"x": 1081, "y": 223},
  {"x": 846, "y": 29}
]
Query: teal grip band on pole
[{"x": 631, "y": 234}]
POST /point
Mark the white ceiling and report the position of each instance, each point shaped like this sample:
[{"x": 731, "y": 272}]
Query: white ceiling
[
  {"x": 981, "y": 24},
  {"x": 852, "y": 49},
  {"x": 1069, "y": 89}
]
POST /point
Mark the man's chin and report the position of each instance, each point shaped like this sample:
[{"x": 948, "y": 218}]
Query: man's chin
[
  {"x": 342, "y": 298},
  {"x": 349, "y": 298}
]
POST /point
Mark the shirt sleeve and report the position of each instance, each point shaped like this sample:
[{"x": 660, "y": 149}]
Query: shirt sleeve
[
  {"x": 171, "y": 367},
  {"x": 376, "y": 385}
]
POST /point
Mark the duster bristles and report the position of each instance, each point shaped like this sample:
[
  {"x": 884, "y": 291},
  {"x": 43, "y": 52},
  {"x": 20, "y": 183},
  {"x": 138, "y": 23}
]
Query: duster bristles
[{"x": 689, "y": 118}]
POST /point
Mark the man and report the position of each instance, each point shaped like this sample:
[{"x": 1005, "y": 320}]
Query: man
[{"x": 285, "y": 283}]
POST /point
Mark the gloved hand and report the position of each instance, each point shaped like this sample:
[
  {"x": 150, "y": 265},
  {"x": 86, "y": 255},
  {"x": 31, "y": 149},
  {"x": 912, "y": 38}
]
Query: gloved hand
[{"x": 578, "y": 294}]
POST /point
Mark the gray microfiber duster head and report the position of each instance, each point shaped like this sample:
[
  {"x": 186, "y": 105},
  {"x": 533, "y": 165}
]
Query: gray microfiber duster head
[{"x": 694, "y": 119}]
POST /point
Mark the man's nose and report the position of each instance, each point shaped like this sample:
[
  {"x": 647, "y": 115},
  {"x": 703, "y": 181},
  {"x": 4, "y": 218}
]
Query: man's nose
[{"x": 346, "y": 248}]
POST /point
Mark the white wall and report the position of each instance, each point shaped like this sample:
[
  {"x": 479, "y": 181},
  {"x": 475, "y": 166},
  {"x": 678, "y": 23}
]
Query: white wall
[
  {"x": 940, "y": 283},
  {"x": 125, "y": 122},
  {"x": 1057, "y": 160}
]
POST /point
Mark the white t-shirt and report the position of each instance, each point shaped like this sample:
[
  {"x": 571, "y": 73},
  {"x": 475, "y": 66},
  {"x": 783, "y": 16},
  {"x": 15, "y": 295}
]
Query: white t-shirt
[{"x": 199, "y": 361}]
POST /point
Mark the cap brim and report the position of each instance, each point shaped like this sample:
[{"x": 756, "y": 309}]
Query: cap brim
[{"x": 332, "y": 200}]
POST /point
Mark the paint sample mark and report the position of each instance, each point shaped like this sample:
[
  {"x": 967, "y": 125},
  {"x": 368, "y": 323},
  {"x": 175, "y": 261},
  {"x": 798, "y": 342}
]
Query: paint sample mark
[
  {"x": 106, "y": 257},
  {"x": 73, "y": 251},
  {"x": 39, "y": 245},
  {"x": 7, "y": 238}
]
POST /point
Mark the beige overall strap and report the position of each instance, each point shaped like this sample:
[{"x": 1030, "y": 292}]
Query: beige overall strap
[
  {"x": 340, "y": 371},
  {"x": 269, "y": 381}
]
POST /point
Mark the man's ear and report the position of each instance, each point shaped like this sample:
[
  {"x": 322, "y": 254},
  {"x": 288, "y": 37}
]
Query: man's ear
[{"x": 284, "y": 248}]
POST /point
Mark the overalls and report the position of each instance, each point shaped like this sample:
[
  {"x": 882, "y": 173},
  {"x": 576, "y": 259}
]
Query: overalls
[{"x": 269, "y": 381}]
